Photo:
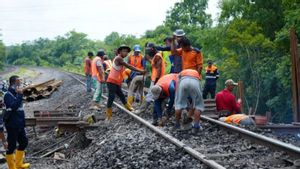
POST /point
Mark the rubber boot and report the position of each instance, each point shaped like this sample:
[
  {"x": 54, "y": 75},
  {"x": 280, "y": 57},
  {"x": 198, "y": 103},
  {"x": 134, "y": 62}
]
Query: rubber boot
[
  {"x": 130, "y": 100},
  {"x": 128, "y": 107},
  {"x": 19, "y": 160},
  {"x": 10, "y": 160},
  {"x": 108, "y": 114}
]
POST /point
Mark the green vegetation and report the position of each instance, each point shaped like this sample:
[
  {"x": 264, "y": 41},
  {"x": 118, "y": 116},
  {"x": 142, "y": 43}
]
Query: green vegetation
[{"x": 250, "y": 42}]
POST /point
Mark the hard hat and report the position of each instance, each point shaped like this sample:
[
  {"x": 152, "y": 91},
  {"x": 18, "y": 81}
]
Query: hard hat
[{"x": 137, "y": 48}]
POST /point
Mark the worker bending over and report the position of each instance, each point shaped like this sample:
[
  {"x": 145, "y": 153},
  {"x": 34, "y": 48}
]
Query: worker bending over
[
  {"x": 115, "y": 79},
  {"x": 226, "y": 102},
  {"x": 14, "y": 119},
  {"x": 136, "y": 88},
  {"x": 163, "y": 89},
  {"x": 158, "y": 68},
  {"x": 189, "y": 90}
]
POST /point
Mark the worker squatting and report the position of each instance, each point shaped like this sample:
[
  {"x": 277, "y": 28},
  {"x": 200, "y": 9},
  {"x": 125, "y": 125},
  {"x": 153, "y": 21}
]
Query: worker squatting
[{"x": 175, "y": 77}]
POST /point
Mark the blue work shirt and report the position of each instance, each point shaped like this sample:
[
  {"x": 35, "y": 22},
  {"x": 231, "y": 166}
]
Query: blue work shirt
[
  {"x": 14, "y": 109},
  {"x": 158, "y": 102}
]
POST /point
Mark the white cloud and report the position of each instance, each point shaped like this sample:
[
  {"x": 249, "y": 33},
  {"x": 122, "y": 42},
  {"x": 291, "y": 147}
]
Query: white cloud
[{"x": 23, "y": 20}]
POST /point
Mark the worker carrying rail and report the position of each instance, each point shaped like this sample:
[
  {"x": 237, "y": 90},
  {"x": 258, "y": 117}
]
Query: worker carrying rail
[
  {"x": 226, "y": 102},
  {"x": 238, "y": 119},
  {"x": 14, "y": 119},
  {"x": 189, "y": 91},
  {"x": 115, "y": 79},
  {"x": 164, "y": 89}
]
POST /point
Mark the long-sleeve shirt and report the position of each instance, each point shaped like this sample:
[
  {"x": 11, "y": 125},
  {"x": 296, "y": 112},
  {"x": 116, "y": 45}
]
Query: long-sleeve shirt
[
  {"x": 157, "y": 106},
  {"x": 225, "y": 100},
  {"x": 14, "y": 109}
]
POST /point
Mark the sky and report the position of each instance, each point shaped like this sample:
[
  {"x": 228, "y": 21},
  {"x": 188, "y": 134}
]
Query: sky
[{"x": 24, "y": 20}]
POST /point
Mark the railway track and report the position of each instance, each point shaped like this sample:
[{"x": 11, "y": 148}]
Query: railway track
[{"x": 223, "y": 148}]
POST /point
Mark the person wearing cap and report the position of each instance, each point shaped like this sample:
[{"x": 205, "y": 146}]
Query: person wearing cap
[
  {"x": 189, "y": 91},
  {"x": 14, "y": 121},
  {"x": 137, "y": 60},
  {"x": 211, "y": 76},
  {"x": 88, "y": 71},
  {"x": 226, "y": 102},
  {"x": 154, "y": 57},
  {"x": 115, "y": 79},
  {"x": 98, "y": 78},
  {"x": 238, "y": 119},
  {"x": 191, "y": 57},
  {"x": 163, "y": 89}
]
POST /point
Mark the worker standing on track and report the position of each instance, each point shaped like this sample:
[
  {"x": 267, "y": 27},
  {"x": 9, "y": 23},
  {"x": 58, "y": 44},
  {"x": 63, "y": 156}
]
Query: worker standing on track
[
  {"x": 211, "y": 76},
  {"x": 88, "y": 71},
  {"x": 137, "y": 61},
  {"x": 189, "y": 90},
  {"x": 163, "y": 89},
  {"x": 108, "y": 64},
  {"x": 154, "y": 57},
  {"x": 14, "y": 119},
  {"x": 115, "y": 79},
  {"x": 238, "y": 119},
  {"x": 226, "y": 102},
  {"x": 166, "y": 54},
  {"x": 98, "y": 78}
]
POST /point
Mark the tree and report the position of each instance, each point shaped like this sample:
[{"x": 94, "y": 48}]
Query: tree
[{"x": 188, "y": 13}]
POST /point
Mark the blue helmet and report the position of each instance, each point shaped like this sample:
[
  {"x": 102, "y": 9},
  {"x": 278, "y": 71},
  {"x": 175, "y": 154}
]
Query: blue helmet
[{"x": 136, "y": 48}]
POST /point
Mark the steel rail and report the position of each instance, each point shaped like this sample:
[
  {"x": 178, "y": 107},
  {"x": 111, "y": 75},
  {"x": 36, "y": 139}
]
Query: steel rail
[
  {"x": 166, "y": 136},
  {"x": 261, "y": 139}
]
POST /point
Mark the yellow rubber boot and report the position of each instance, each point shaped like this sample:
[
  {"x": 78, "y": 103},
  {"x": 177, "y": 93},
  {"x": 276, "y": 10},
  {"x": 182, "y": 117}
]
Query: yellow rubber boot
[
  {"x": 130, "y": 100},
  {"x": 128, "y": 107},
  {"x": 109, "y": 114},
  {"x": 20, "y": 159},
  {"x": 10, "y": 160}
]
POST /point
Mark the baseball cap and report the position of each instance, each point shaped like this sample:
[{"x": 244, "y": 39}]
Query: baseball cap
[
  {"x": 230, "y": 82},
  {"x": 155, "y": 91},
  {"x": 179, "y": 32}
]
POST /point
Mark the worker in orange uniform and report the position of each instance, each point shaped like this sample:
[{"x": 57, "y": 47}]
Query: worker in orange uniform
[
  {"x": 107, "y": 67},
  {"x": 137, "y": 60},
  {"x": 88, "y": 71},
  {"x": 226, "y": 102},
  {"x": 158, "y": 68},
  {"x": 189, "y": 90},
  {"x": 98, "y": 77},
  {"x": 191, "y": 57},
  {"x": 211, "y": 77},
  {"x": 163, "y": 89},
  {"x": 238, "y": 119},
  {"x": 115, "y": 79}
]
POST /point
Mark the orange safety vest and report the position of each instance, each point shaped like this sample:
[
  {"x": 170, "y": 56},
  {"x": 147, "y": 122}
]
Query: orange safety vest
[
  {"x": 154, "y": 70},
  {"x": 95, "y": 72},
  {"x": 236, "y": 118},
  {"x": 136, "y": 61},
  {"x": 211, "y": 70},
  {"x": 116, "y": 74},
  {"x": 165, "y": 81},
  {"x": 108, "y": 64},
  {"x": 87, "y": 66},
  {"x": 190, "y": 72}
]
